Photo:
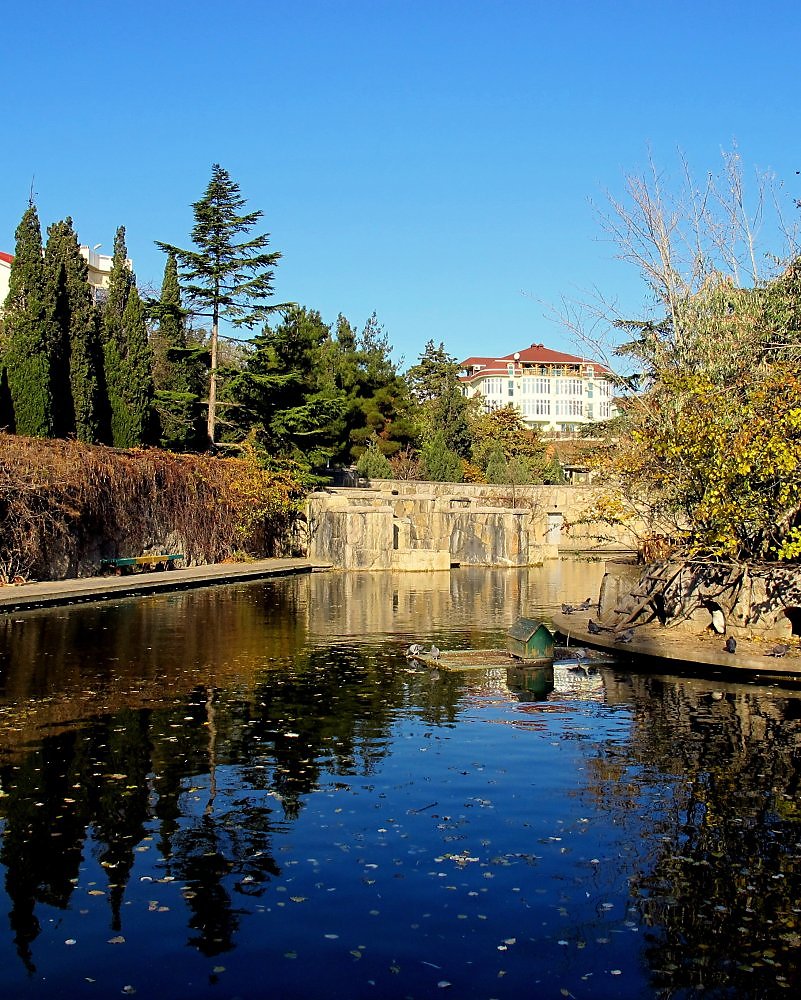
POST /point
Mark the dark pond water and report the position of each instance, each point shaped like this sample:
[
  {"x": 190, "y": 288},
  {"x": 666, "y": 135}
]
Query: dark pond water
[{"x": 249, "y": 792}]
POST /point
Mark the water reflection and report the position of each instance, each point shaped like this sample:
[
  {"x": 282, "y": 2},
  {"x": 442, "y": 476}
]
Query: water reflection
[{"x": 235, "y": 788}]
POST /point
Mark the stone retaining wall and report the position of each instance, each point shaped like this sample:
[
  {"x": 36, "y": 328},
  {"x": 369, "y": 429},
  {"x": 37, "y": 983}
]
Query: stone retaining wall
[{"x": 415, "y": 525}]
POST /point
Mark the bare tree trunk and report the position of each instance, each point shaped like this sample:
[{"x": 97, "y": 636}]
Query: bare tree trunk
[{"x": 212, "y": 414}]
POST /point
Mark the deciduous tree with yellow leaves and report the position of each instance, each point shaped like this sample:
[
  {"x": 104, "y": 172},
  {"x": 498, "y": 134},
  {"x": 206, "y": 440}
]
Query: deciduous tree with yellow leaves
[{"x": 708, "y": 450}]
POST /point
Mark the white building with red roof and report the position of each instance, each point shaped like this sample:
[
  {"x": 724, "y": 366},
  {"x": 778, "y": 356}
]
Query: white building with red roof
[
  {"x": 554, "y": 392},
  {"x": 5, "y": 274}
]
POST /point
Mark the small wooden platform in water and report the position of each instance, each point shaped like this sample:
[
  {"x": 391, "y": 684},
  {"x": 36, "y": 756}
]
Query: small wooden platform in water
[{"x": 490, "y": 659}]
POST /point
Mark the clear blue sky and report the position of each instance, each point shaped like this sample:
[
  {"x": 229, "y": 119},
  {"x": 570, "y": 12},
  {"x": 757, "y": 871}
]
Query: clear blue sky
[{"x": 432, "y": 160}]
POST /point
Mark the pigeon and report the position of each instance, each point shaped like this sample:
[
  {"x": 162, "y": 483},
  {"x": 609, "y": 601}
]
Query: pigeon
[
  {"x": 433, "y": 653},
  {"x": 593, "y": 627},
  {"x": 779, "y": 650},
  {"x": 567, "y": 609},
  {"x": 731, "y": 644},
  {"x": 626, "y": 636},
  {"x": 414, "y": 650},
  {"x": 585, "y": 605}
]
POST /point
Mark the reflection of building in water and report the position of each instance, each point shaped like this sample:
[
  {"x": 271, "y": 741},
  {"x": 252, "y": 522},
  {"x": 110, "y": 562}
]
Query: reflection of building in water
[{"x": 415, "y": 606}]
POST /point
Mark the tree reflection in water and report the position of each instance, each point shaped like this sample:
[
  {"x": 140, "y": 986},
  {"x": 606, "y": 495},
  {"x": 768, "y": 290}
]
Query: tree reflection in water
[{"x": 262, "y": 791}]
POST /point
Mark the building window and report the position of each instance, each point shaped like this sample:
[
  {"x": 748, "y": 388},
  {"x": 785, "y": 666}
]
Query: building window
[
  {"x": 511, "y": 388},
  {"x": 569, "y": 408},
  {"x": 493, "y": 386}
]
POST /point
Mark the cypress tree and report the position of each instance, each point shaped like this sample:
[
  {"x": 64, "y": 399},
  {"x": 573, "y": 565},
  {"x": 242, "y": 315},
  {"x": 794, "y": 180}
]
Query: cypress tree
[
  {"x": 177, "y": 369},
  {"x": 27, "y": 334},
  {"x": 76, "y": 377},
  {"x": 132, "y": 425},
  {"x": 126, "y": 355}
]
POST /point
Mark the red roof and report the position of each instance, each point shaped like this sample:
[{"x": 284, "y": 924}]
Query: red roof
[
  {"x": 7, "y": 257},
  {"x": 535, "y": 354}
]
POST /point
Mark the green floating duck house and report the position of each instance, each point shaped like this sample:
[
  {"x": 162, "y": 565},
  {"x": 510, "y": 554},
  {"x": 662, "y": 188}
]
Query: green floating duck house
[{"x": 530, "y": 641}]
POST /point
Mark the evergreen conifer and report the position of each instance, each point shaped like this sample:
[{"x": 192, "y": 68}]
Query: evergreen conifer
[
  {"x": 177, "y": 368},
  {"x": 27, "y": 337},
  {"x": 77, "y": 360},
  {"x": 225, "y": 279},
  {"x": 126, "y": 353}
]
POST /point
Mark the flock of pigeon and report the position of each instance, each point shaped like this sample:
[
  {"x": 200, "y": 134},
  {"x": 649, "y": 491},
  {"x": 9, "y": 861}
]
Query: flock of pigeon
[
  {"x": 779, "y": 650},
  {"x": 586, "y": 604},
  {"x": 417, "y": 650}
]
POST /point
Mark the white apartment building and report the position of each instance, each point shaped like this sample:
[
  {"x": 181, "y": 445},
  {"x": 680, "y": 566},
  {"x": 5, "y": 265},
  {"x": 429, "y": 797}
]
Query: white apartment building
[
  {"x": 554, "y": 392},
  {"x": 5, "y": 274},
  {"x": 98, "y": 271}
]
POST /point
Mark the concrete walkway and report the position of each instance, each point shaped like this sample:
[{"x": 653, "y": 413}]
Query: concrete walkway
[{"x": 95, "y": 588}]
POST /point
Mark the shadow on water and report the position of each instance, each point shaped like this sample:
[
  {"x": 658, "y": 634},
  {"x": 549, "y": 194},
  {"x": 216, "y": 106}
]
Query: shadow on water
[{"x": 236, "y": 789}]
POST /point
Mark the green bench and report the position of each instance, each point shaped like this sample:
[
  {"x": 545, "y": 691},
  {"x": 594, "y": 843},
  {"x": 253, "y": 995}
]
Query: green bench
[{"x": 134, "y": 563}]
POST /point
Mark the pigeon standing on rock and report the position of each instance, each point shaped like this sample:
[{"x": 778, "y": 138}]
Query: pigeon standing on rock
[
  {"x": 593, "y": 627},
  {"x": 567, "y": 609},
  {"x": 780, "y": 650},
  {"x": 626, "y": 636},
  {"x": 434, "y": 653},
  {"x": 731, "y": 644}
]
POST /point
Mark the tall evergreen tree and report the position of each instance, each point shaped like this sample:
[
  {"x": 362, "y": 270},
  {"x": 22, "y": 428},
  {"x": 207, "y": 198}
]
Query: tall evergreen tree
[
  {"x": 177, "y": 369},
  {"x": 382, "y": 401},
  {"x": 434, "y": 383},
  {"x": 27, "y": 338},
  {"x": 225, "y": 279},
  {"x": 126, "y": 353},
  {"x": 287, "y": 392},
  {"x": 77, "y": 361}
]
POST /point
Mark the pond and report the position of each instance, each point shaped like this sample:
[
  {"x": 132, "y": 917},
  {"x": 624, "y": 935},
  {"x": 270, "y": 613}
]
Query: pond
[{"x": 249, "y": 792}]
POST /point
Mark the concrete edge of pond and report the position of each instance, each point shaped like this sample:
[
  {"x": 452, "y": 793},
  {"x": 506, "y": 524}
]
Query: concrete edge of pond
[
  {"x": 50, "y": 593},
  {"x": 705, "y": 650}
]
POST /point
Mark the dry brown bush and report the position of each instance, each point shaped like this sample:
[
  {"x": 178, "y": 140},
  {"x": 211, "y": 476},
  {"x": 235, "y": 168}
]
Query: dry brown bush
[{"x": 65, "y": 505}]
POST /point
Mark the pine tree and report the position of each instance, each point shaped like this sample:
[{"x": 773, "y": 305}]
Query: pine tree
[
  {"x": 287, "y": 393},
  {"x": 77, "y": 360},
  {"x": 225, "y": 279},
  {"x": 127, "y": 359},
  {"x": 434, "y": 383},
  {"x": 27, "y": 337}
]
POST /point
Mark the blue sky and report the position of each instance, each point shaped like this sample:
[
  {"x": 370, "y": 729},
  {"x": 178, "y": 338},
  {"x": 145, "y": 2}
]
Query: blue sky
[{"x": 434, "y": 161}]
